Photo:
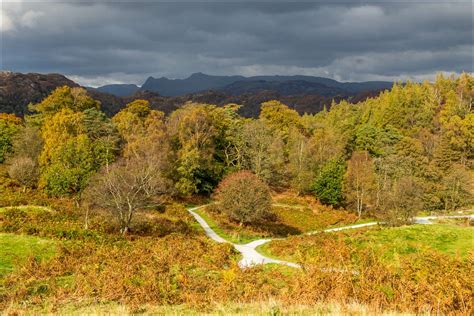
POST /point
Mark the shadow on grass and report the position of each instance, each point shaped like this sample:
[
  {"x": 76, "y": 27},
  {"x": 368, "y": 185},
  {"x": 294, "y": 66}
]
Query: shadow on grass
[{"x": 276, "y": 228}]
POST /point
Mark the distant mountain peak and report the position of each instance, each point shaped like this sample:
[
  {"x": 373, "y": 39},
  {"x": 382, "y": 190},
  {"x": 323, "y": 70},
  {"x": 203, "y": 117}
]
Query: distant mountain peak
[
  {"x": 199, "y": 74},
  {"x": 198, "y": 82}
]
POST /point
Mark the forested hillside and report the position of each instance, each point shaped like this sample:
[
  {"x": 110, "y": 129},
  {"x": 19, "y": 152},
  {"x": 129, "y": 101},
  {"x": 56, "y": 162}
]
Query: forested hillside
[
  {"x": 407, "y": 150},
  {"x": 18, "y": 90}
]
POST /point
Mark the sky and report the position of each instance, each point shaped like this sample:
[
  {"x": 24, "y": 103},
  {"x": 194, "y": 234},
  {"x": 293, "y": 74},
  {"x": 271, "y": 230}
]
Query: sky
[{"x": 103, "y": 42}]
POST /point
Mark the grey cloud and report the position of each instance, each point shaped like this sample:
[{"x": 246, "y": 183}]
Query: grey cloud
[{"x": 107, "y": 41}]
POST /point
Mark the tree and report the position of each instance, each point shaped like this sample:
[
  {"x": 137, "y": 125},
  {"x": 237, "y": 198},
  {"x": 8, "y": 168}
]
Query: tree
[
  {"x": 457, "y": 188},
  {"x": 69, "y": 168},
  {"x": 326, "y": 144},
  {"x": 78, "y": 140},
  {"x": 75, "y": 99},
  {"x": 328, "y": 183},
  {"x": 24, "y": 170},
  {"x": 23, "y": 163},
  {"x": 359, "y": 181},
  {"x": 199, "y": 136},
  {"x": 244, "y": 198},
  {"x": 28, "y": 143},
  {"x": 126, "y": 186},
  {"x": 9, "y": 126},
  {"x": 262, "y": 152},
  {"x": 279, "y": 117},
  {"x": 404, "y": 201},
  {"x": 300, "y": 162}
]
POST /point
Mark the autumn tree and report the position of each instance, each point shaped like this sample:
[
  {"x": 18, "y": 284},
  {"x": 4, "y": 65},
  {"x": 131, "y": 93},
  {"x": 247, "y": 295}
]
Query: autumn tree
[
  {"x": 300, "y": 166},
  {"x": 24, "y": 170},
  {"x": 28, "y": 142},
  {"x": 78, "y": 140},
  {"x": 457, "y": 188},
  {"x": 9, "y": 126},
  {"x": 198, "y": 135},
  {"x": 326, "y": 144},
  {"x": 24, "y": 164},
  {"x": 262, "y": 152},
  {"x": 404, "y": 201},
  {"x": 141, "y": 128},
  {"x": 244, "y": 198},
  {"x": 279, "y": 117},
  {"x": 359, "y": 181},
  {"x": 75, "y": 99}
]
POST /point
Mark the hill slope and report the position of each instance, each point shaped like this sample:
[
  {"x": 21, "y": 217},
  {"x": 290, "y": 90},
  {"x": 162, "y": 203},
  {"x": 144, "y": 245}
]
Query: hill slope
[
  {"x": 17, "y": 90},
  {"x": 238, "y": 84}
]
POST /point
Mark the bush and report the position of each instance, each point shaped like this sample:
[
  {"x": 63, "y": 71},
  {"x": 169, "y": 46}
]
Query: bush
[{"x": 244, "y": 198}]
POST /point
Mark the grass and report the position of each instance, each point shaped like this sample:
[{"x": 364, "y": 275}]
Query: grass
[
  {"x": 15, "y": 249},
  {"x": 28, "y": 208},
  {"x": 264, "y": 308},
  {"x": 449, "y": 239},
  {"x": 292, "y": 219},
  {"x": 305, "y": 220},
  {"x": 181, "y": 272},
  {"x": 388, "y": 243}
]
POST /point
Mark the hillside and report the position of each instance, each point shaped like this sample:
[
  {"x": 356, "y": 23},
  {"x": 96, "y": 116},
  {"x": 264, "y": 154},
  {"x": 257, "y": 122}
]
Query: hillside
[
  {"x": 285, "y": 85},
  {"x": 120, "y": 90},
  {"x": 17, "y": 90}
]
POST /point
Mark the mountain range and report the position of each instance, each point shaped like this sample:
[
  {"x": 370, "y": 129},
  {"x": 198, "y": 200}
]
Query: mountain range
[
  {"x": 303, "y": 93},
  {"x": 237, "y": 85}
]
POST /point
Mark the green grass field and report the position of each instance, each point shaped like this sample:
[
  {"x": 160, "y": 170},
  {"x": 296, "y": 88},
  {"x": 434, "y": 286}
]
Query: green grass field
[
  {"x": 15, "y": 249},
  {"x": 449, "y": 239},
  {"x": 389, "y": 243}
]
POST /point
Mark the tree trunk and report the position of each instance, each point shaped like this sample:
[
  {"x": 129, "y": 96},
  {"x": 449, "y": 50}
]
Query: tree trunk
[{"x": 86, "y": 220}]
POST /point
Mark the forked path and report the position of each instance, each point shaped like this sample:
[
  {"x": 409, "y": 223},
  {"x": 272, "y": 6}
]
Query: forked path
[{"x": 251, "y": 257}]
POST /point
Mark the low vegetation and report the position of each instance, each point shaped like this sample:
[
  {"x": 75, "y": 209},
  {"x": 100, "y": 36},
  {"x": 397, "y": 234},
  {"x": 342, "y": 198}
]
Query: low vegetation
[
  {"x": 387, "y": 243},
  {"x": 16, "y": 249}
]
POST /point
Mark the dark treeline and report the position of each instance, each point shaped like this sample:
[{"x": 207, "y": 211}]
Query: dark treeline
[{"x": 407, "y": 150}]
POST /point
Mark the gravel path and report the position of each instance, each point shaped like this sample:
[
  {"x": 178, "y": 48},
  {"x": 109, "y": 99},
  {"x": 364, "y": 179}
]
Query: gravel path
[{"x": 251, "y": 257}]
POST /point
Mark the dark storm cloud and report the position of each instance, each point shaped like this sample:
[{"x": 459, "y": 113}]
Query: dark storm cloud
[{"x": 118, "y": 41}]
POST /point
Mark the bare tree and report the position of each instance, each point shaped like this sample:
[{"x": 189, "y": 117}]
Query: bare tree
[
  {"x": 23, "y": 164},
  {"x": 128, "y": 185},
  {"x": 24, "y": 170},
  {"x": 403, "y": 201}
]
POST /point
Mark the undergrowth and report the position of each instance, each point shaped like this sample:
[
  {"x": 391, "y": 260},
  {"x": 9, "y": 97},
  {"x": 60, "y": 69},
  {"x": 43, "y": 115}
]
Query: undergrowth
[{"x": 175, "y": 264}]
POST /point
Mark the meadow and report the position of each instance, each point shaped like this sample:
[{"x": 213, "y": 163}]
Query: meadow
[{"x": 51, "y": 263}]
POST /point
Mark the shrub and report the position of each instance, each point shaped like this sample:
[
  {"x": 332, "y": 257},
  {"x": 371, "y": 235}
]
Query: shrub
[{"x": 244, "y": 198}]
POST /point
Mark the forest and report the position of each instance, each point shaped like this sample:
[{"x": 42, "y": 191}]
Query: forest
[{"x": 406, "y": 152}]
